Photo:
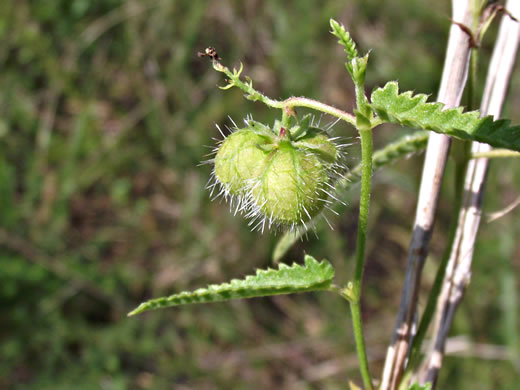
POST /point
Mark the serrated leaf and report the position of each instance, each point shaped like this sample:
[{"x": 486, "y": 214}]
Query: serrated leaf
[
  {"x": 286, "y": 279},
  {"x": 413, "y": 111}
]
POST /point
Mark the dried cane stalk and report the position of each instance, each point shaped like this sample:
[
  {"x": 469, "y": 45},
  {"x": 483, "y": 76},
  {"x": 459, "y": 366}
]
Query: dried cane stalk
[
  {"x": 454, "y": 78},
  {"x": 458, "y": 272}
]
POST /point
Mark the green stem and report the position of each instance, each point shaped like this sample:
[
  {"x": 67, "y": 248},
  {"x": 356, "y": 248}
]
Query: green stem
[
  {"x": 361, "y": 99},
  {"x": 366, "y": 181},
  {"x": 253, "y": 94},
  {"x": 355, "y": 304},
  {"x": 315, "y": 105},
  {"x": 357, "y": 322},
  {"x": 496, "y": 153}
]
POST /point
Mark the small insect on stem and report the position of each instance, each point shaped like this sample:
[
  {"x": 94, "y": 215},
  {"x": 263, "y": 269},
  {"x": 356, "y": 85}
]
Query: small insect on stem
[{"x": 210, "y": 52}]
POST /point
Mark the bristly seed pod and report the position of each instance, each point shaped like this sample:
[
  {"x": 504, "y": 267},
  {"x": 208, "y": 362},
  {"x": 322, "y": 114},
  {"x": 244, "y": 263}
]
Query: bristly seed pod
[
  {"x": 291, "y": 187},
  {"x": 279, "y": 177},
  {"x": 238, "y": 158}
]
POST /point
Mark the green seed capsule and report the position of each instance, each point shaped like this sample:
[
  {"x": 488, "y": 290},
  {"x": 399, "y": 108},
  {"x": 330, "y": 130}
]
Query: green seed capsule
[
  {"x": 290, "y": 189},
  {"x": 320, "y": 144},
  {"x": 239, "y": 159},
  {"x": 279, "y": 178}
]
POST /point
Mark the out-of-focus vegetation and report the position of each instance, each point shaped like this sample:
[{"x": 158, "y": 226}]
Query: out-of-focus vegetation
[{"x": 105, "y": 114}]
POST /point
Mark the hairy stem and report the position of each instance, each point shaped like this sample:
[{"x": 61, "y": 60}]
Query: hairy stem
[
  {"x": 253, "y": 94},
  {"x": 315, "y": 105},
  {"x": 355, "y": 305},
  {"x": 357, "y": 323}
]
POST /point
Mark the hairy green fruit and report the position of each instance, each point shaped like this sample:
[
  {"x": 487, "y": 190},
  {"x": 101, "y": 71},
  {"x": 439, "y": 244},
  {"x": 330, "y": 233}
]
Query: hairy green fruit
[
  {"x": 239, "y": 159},
  {"x": 291, "y": 188},
  {"x": 319, "y": 143},
  {"x": 277, "y": 176}
]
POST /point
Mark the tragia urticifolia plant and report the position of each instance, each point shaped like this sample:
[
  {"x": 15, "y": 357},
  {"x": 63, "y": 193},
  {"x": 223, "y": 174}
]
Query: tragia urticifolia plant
[{"x": 283, "y": 176}]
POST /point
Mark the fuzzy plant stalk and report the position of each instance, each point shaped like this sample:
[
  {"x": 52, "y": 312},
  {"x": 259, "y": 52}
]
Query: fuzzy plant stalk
[
  {"x": 364, "y": 206},
  {"x": 356, "y": 66}
]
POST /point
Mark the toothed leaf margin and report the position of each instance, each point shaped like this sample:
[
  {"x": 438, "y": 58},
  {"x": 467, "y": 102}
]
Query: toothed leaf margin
[
  {"x": 286, "y": 279},
  {"x": 413, "y": 111}
]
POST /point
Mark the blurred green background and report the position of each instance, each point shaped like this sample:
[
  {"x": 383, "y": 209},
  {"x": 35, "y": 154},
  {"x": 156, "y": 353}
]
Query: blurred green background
[{"x": 106, "y": 113}]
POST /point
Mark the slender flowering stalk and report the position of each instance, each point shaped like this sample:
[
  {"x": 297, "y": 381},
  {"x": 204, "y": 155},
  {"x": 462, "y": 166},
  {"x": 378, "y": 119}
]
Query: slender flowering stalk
[{"x": 254, "y": 95}]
